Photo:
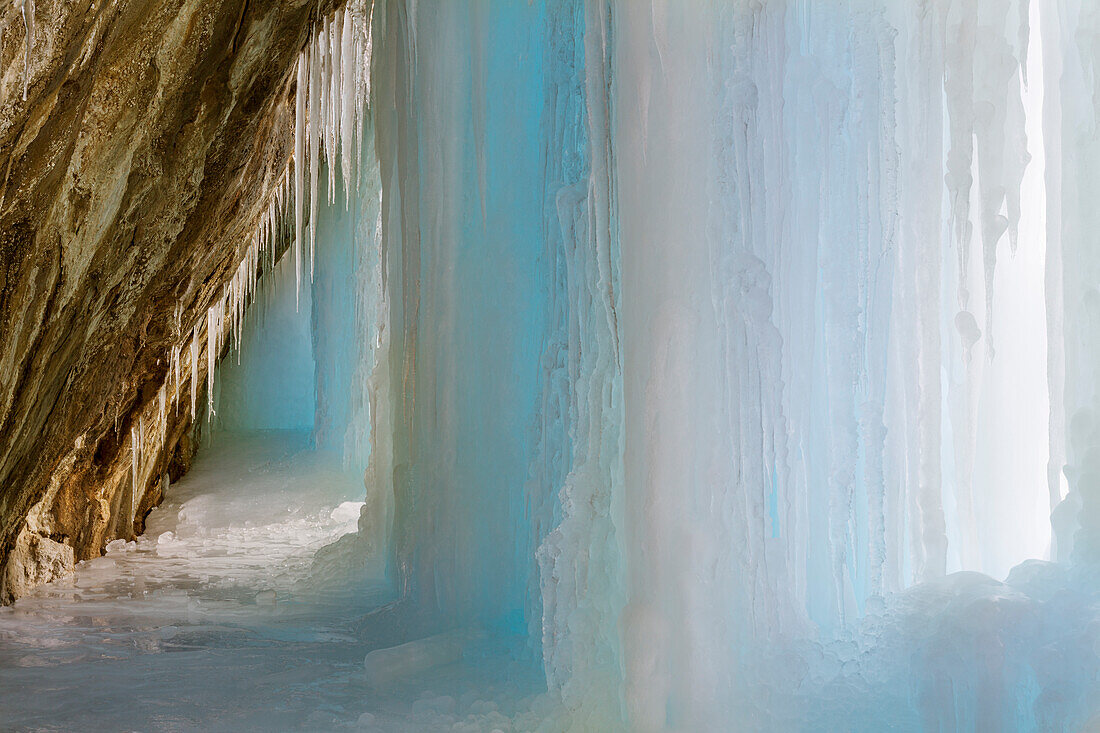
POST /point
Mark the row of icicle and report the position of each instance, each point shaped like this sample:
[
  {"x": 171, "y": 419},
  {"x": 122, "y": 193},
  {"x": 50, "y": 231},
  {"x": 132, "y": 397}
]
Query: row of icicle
[
  {"x": 335, "y": 70},
  {"x": 333, "y": 89}
]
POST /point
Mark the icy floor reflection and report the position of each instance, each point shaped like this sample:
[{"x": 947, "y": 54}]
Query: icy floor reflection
[{"x": 210, "y": 621}]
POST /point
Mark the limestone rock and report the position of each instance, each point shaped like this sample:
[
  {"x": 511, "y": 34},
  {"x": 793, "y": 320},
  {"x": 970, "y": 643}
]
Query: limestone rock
[
  {"x": 34, "y": 560},
  {"x": 131, "y": 177}
]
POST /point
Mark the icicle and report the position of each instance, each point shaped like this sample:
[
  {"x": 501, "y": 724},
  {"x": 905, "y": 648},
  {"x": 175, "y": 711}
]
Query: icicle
[
  {"x": 269, "y": 229},
  {"x": 242, "y": 292},
  {"x": 272, "y": 236},
  {"x": 332, "y": 121},
  {"x": 229, "y": 291},
  {"x": 243, "y": 276},
  {"x": 213, "y": 323},
  {"x": 250, "y": 278},
  {"x": 265, "y": 235},
  {"x": 347, "y": 106},
  {"x": 315, "y": 132},
  {"x": 141, "y": 455},
  {"x": 362, "y": 84},
  {"x": 135, "y": 460},
  {"x": 300, "y": 97},
  {"x": 283, "y": 216},
  {"x": 194, "y": 370},
  {"x": 176, "y": 377},
  {"x": 360, "y": 70},
  {"x": 26, "y": 7},
  {"x": 324, "y": 58},
  {"x": 367, "y": 55}
]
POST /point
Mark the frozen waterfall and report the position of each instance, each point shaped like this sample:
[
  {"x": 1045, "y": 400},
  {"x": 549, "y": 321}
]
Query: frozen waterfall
[
  {"x": 713, "y": 365},
  {"x": 730, "y": 333}
]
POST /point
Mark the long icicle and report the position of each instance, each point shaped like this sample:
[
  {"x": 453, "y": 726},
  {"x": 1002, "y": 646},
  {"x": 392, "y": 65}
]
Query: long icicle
[
  {"x": 299, "y": 167},
  {"x": 316, "y": 126},
  {"x": 347, "y": 104},
  {"x": 135, "y": 460},
  {"x": 26, "y": 7},
  {"x": 194, "y": 370},
  {"x": 332, "y": 121},
  {"x": 315, "y": 131},
  {"x": 214, "y": 318}
]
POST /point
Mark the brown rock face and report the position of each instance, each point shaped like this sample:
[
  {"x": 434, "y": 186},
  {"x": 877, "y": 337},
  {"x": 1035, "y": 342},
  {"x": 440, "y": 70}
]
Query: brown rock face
[{"x": 130, "y": 180}]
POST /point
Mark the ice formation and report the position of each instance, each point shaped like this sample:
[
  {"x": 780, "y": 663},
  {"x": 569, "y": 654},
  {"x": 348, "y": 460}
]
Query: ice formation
[
  {"x": 728, "y": 355},
  {"x": 26, "y": 11},
  {"x": 787, "y": 291}
]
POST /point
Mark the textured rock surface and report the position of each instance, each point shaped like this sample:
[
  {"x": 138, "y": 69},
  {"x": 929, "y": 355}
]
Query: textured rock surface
[
  {"x": 34, "y": 559},
  {"x": 130, "y": 179}
]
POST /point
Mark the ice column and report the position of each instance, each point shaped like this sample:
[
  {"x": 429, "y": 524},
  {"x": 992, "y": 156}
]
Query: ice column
[
  {"x": 1073, "y": 151},
  {"x": 494, "y": 296},
  {"x": 713, "y": 323}
]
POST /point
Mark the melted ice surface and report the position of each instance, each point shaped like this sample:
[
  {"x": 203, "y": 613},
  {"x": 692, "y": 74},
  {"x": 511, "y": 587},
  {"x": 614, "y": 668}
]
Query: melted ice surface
[{"x": 210, "y": 621}]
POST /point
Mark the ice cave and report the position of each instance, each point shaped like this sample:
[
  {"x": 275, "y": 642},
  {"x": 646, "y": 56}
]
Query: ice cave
[{"x": 550, "y": 365}]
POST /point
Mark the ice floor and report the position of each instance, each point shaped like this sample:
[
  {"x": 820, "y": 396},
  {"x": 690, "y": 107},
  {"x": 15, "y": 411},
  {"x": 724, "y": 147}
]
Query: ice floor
[
  {"x": 212, "y": 621},
  {"x": 217, "y": 619}
]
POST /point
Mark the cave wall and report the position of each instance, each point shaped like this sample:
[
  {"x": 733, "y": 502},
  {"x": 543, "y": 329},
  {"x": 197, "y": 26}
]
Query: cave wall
[{"x": 131, "y": 177}]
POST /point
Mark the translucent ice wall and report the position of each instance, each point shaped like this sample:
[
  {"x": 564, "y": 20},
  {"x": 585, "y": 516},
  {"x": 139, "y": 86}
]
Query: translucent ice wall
[
  {"x": 1071, "y": 116},
  {"x": 789, "y": 241},
  {"x": 268, "y": 383},
  {"x": 835, "y": 338},
  {"x": 696, "y": 343},
  {"x": 714, "y": 324},
  {"x": 346, "y": 306},
  {"x": 461, "y": 92},
  {"x": 305, "y": 358}
]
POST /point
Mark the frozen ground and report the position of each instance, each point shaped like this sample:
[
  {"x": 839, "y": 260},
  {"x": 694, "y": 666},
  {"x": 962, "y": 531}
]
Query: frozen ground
[
  {"x": 216, "y": 620},
  {"x": 210, "y": 621}
]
